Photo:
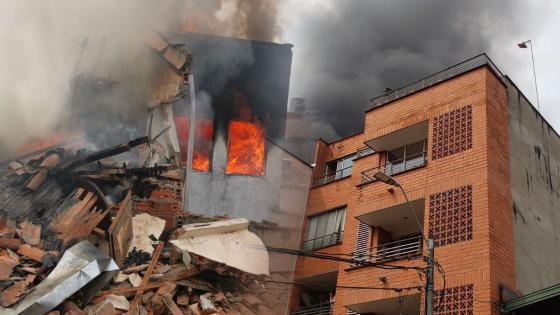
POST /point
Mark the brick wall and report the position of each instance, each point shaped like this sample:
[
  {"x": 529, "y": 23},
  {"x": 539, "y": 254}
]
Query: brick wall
[{"x": 479, "y": 262}]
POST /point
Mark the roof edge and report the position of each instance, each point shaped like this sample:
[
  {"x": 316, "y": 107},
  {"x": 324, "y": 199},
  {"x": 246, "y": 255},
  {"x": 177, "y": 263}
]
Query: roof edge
[
  {"x": 434, "y": 79},
  {"x": 531, "y": 298}
]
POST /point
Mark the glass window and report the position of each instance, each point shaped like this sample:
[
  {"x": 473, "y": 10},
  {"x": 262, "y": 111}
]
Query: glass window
[
  {"x": 396, "y": 156},
  {"x": 415, "y": 149},
  {"x": 338, "y": 169},
  {"x": 406, "y": 157},
  {"x": 324, "y": 229}
]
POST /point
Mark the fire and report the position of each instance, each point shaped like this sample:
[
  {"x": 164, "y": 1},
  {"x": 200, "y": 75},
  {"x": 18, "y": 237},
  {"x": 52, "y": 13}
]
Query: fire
[
  {"x": 246, "y": 149},
  {"x": 41, "y": 143},
  {"x": 203, "y": 145},
  {"x": 204, "y": 132}
]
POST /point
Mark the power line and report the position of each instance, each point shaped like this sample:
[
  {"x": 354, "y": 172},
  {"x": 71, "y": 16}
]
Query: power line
[
  {"x": 354, "y": 261},
  {"x": 343, "y": 286}
]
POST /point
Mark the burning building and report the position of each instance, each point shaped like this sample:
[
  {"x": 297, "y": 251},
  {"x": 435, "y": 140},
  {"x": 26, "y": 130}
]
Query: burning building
[
  {"x": 239, "y": 169},
  {"x": 70, "y": 194},
  {"x": 237, "y": 164}
]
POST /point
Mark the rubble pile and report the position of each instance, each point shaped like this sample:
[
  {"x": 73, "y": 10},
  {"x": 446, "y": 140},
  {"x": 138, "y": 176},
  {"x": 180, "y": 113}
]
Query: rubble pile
[
  {"x": 100, "y": 232},
  {"x": 64, "y": 211}
]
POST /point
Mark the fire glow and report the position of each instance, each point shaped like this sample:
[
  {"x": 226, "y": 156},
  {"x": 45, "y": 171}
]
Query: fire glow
[
  {"x": 202, "y": 142},
  {"x": 246, "y": 149}
]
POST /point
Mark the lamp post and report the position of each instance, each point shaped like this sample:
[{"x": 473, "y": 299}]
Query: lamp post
[
  {"x": 429, "y": 296},
  {"x": 524, "y": 45}
]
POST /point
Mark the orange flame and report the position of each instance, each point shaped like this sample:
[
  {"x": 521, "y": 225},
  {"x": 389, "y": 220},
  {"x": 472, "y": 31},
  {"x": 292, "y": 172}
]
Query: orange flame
[
  {"x": 246, "y": 149},
  {"x": 202, "y": 142},
  {"x": 41, "y": 143}
]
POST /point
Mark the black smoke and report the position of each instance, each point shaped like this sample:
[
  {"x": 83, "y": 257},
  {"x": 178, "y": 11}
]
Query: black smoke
[{"x": 350, "y": 52}]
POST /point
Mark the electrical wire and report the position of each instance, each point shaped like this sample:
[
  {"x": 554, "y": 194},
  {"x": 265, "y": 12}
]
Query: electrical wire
[
  {"x": 440, "y": 269},
  {"x": 364, "y": 263},
  {"x": 343, "y": 286}
]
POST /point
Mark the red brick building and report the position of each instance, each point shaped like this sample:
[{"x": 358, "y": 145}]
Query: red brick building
[{"x": 448, "y": 140}]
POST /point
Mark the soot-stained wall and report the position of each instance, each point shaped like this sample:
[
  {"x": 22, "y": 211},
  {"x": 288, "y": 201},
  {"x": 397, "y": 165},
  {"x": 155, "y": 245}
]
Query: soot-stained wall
[
  {"x": 535, "y": 185},
  {"x": 224, "y": 68}
]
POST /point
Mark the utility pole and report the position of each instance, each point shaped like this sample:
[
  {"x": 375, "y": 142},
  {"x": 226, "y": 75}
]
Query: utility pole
[{"x": 429, "y": 296}]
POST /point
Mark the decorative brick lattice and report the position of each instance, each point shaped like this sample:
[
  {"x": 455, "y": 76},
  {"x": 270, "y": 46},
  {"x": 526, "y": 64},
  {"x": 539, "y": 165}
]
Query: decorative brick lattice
[
  {"x": 456, "y": 300},
  {"x": 452, "y": 132},
  {"x": 451, "y": 216}
]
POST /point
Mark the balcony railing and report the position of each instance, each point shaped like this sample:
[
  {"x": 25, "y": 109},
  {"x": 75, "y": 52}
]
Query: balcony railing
[
  {"x": 342, "y": 173},
  {"x": 323, "y": 241},
  {"x": 406, "y": 248},
  {"x": 394, "y": 167},
  {"x": 364, "y": 151},
  {"x": 319, "y": 309},
  {"x": 434, "y": 79}
]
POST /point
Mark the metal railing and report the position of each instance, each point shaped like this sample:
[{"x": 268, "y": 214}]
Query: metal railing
[
  {"x": 398, "y": 166},
  {"x": 434, "y": 79},
  {"x": 364, "y": 151},
  {"x": 340, "y": 174},
  {"x": 405, "y": 248},
  {"x": 323, "y": 241},
  {"x": 319, "y": 309}
]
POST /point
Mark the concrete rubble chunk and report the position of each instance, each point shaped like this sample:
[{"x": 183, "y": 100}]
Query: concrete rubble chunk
[
  {"x": 29, "y": 233},
  {"x": 144, "y": 228},
  {"x": 135, "y": 279},
  {"x": 119, "y": 302},
  {"x": 228, "y": 242}
]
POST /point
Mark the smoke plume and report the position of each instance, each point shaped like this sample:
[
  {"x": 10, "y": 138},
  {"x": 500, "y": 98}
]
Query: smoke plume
[
  {"x": 47, "y": 44},
  {"x": 249, "y": 19},
  {"x": 347, "y": 52}
]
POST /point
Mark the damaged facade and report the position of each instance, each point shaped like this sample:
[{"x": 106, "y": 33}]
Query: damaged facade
[
  {"x": 117, "y": 216},
  {"x": 480, "y": 166}
]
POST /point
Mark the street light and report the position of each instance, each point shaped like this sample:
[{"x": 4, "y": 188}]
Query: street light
[
  {"x": 524, "y": 45},
  {"x": 429, "y": 297}
]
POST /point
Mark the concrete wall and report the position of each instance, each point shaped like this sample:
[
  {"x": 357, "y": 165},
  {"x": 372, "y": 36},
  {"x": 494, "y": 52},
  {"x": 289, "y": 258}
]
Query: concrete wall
[
  {"x": 257, "y": 198},
  {"x": 535, "y": 184}
]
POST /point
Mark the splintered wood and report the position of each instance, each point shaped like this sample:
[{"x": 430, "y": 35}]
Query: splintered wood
[
  {"x": 120, "y": 231},
  {"x": 78, "y": 221}
]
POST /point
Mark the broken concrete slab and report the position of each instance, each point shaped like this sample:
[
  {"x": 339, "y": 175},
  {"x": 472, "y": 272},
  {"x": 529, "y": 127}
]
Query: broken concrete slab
[
  {"x": 119, "y": 302},
  {"x": 145, "y": 228},
  {"x": 228, "y": 242}
]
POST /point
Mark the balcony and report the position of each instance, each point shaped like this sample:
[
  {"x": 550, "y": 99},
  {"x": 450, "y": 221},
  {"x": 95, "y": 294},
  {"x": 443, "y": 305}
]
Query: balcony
[
  {"x": 402, "y": 249},
  {"x": 323, "y": 241},
  {"x": 319, "y": 309},
  {"x": 315, "y": 294},
  {"x": 408, "y": 304},
  {"x": 395, "y": 167},
  {"x": 329, "y": 178}
]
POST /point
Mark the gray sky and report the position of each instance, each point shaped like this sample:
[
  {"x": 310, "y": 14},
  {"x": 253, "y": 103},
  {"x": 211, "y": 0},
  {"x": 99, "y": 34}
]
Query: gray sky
[{"x": 346, "y": 52}]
